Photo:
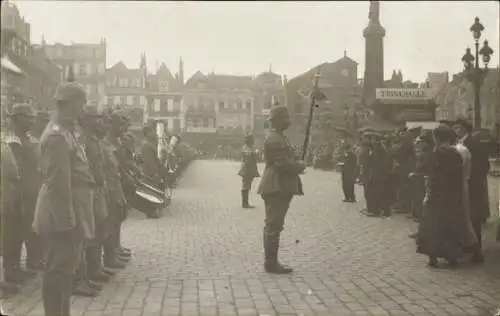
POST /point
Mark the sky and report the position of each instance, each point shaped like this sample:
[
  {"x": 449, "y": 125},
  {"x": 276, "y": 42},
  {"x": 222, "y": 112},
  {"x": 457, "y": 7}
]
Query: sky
[{"x": 248, "y": 38}]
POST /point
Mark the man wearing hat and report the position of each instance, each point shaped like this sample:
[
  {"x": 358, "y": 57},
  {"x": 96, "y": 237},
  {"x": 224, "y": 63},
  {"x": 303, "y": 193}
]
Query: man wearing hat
[
  {"x": 19, "y": 231},
  {"x": 115, "y": 256},
  {"x": 90, "y": 269},
  {"x": 248, "y": 170},
  {"x": 280, "y": 182},
  {"x": 64, "y": 193},
  {"x": 151, "y": 166},
  {"x": 478, "y": 182}
]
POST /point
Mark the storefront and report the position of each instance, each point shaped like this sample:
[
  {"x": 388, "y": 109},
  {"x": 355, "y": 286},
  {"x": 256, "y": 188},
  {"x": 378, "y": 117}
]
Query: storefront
[{"x": 399, "y": 106}]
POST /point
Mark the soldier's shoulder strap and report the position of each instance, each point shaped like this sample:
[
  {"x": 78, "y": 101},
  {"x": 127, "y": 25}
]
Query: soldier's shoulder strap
[{"x": 59, "y": 130}]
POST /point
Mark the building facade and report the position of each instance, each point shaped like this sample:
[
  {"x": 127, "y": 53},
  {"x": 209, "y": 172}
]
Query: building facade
[
  {"x": 456, "y": 98},
  {"x": 164, "y": 93},
  {"x": 39, "y": 76},
  {"x": 88, "y": 62},
  {"x": 125, "y": 88},
  {"x": 342, "y": 107},
  {"x": 219, "y": 107}
]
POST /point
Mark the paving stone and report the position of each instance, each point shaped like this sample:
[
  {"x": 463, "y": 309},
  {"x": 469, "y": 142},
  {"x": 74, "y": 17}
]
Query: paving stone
[{"x": 204, "y": 257}]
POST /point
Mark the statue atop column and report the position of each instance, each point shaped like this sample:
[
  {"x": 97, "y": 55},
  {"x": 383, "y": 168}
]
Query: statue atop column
[{"x": 374, "y": 14}]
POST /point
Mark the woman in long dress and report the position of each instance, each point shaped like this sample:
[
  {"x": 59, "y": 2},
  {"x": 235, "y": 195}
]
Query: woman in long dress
[{"x": 441, "y": 229}]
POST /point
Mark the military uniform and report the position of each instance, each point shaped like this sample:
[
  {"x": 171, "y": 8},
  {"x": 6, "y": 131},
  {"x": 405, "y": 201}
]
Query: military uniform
[
  {"x": 116, "y": 202},
  {"x": 349, "y": 175},
  {"x": 280, "y": 182},
  {"x": 23, "y": 148},
  {"x": 9, "y": 189},
  {"x": 62, "y": 198},
  {"x": 248, "y": 170}
]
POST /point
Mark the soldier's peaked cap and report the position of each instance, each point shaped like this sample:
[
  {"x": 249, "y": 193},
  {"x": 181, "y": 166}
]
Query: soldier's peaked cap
[
  {"x": 277, "y": 111},
  {"x": 69, "y": 91},
  {"x": 22, "y": 109}
]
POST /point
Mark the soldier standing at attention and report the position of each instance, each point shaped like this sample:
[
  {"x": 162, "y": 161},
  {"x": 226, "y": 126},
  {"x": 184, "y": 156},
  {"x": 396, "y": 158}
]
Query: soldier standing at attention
[
  {"x": 115, "y": 198},
  {"x": 9, "y": 186},
  {"x": 56, "y": 218},
  {"x": 92, "y": 126},
  {"x": 248, "y": 170},
  {"x": 151, "y": 165},
  {"x": 349, "y": 173},
  {"x": 280, "y": 182},
  {"x": 19, "y": 231}
]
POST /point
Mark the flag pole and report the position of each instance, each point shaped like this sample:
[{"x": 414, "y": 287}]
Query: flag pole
[{"x": 313, "y": 96}]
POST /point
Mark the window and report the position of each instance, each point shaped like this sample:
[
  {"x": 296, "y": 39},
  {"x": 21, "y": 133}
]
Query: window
[
  {"x": 110, "y": 82},
  {"x": 101, "y": 68},
  {"x": 210, "y": 122},
  {"x": 205, "y": 122},
  {"x": 82, "y": 70},
  {"x": 239, "y": 104},
  {"x": 200, "y": 102},
  {"x": 137, "y": 100},
  {"x": 130, "y": 100},
  {"x": 190, "y": 123},
  {"x": 222, "y": 105},
  {"x": 163, "y": 86},
  {"x": 123, "y": 100},
  {"x": 123, "y": 82},
  {"x": 248, "y": 105},
  {"x": 157, "y": 105},
  {"x": 170, "y": 105}
]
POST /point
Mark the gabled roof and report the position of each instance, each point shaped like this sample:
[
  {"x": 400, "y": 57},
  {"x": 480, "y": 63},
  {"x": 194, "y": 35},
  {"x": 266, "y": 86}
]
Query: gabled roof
[
  {"x": 218, "y": 81},
  {"x": 325, "y": 69},
  {"x": 163, "y": 72}
]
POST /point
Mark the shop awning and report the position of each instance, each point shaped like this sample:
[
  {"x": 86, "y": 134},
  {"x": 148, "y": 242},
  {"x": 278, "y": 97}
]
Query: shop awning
[{"x": 7, "y": 64}]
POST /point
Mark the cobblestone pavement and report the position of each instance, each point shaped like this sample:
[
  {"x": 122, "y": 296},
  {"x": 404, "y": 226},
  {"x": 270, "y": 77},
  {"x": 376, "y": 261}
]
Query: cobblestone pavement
[{"x": 204, "y": 258}]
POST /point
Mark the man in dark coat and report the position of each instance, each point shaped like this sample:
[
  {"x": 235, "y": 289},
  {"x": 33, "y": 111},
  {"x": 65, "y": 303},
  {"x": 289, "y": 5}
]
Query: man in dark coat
[
  {"x": 280, "y": 182},
  {"x": 248, "y": 170},
  {"x": 478, "y": 182},
  {"x": 349, "y": 173},
  {"x": 376, "y": 176},
  {"x": 56, "y": 216}
]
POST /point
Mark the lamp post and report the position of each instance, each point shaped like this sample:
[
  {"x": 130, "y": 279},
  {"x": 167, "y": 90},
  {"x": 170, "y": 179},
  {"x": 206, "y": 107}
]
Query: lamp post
[{"x": 475, "y": 74}]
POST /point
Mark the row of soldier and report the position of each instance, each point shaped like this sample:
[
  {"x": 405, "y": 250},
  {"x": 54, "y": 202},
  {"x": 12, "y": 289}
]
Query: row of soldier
[{"x": 65, "y": 181}]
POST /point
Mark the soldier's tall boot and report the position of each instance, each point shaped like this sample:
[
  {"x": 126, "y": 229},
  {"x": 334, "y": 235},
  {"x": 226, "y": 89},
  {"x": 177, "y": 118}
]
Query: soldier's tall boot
[
  {"x": 271, "y": 246},
  {"x": 244, "y": 199}
]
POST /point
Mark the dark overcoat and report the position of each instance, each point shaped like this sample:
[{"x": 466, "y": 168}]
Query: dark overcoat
[
  {"x": 478, "y": 183},
  {"x": 442, "y": 226}
]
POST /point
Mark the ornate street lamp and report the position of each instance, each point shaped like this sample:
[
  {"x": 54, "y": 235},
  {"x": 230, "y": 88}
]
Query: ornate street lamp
[{"x": 473, "y": 71}]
